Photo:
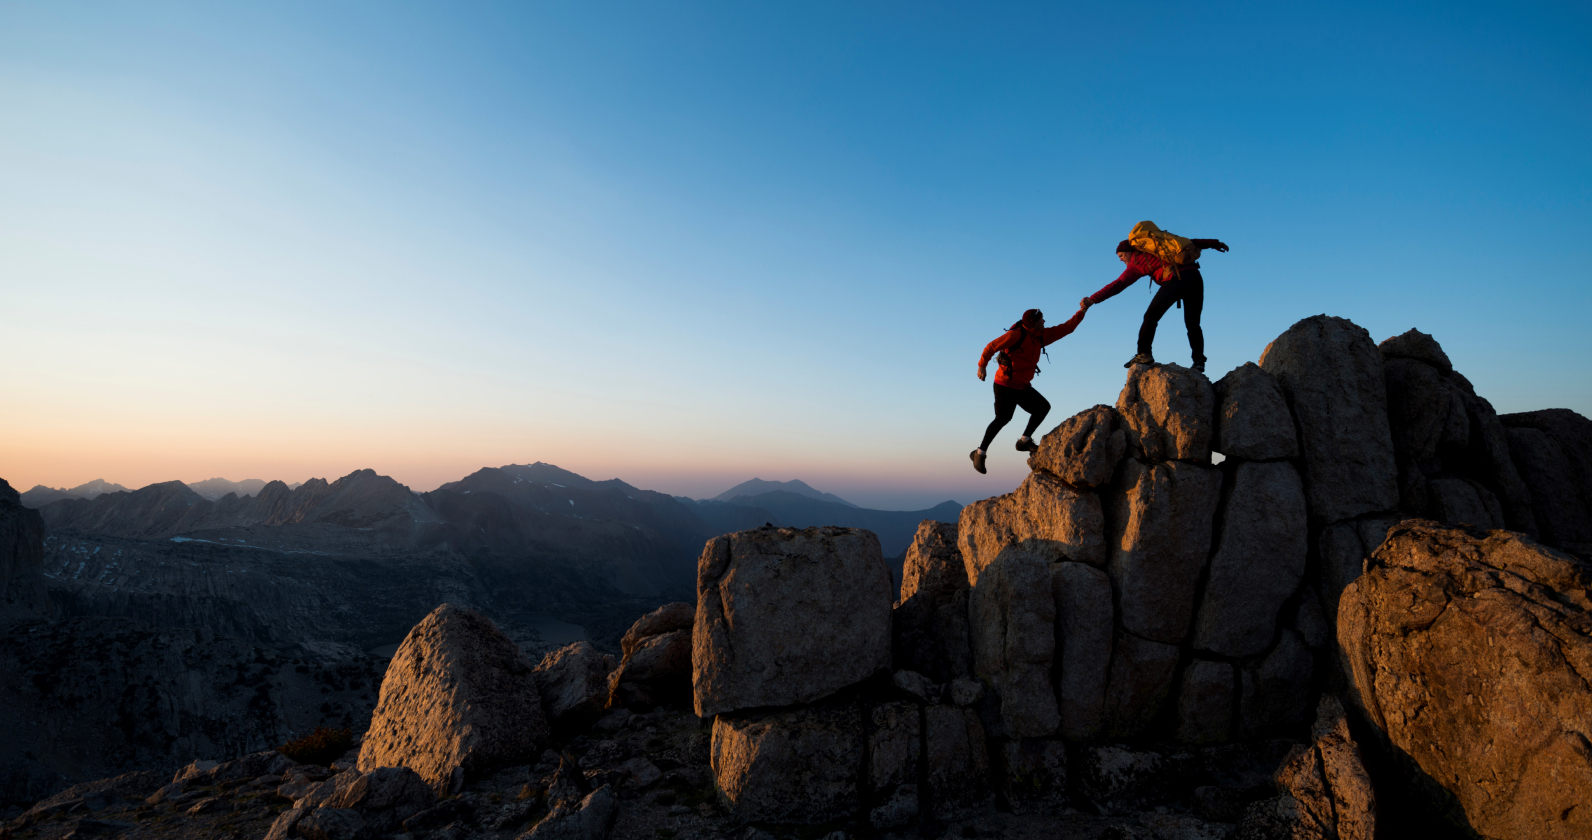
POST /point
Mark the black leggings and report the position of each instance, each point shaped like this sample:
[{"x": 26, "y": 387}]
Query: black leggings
[
  {"x": 1006, "y": 402},
  {"x": 1189, "y": 288}
]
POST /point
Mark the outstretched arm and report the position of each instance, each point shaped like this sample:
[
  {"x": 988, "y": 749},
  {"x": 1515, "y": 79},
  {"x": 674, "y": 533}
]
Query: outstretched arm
[
  {"x": 1210, "y": 244},
  {"x": 1006, "y": 340},
  {"x": 1129, "y": 276},
  {"x": 1061, "y": 331}
]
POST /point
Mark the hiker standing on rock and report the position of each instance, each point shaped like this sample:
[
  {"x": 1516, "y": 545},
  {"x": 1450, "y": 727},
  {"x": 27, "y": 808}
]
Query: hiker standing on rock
[
  {"x": 1172, "y": 262},
  {"x": 1019, "y": 348}
]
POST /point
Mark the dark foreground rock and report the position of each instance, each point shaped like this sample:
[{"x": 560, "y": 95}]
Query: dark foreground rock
[{"x": 768, "y": 601}]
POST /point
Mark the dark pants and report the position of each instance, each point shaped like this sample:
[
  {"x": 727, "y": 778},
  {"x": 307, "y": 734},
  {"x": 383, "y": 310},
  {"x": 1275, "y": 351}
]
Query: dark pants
[
  {"x": 1006, "y": 402},
  {"x": 1189, "y": 288}
]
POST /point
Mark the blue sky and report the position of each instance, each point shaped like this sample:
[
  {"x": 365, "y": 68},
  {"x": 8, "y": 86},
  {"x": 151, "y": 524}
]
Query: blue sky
[{"x": 688, "y": 244}]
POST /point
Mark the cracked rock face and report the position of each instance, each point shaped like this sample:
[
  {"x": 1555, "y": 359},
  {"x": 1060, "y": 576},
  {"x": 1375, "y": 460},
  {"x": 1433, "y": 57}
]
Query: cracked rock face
[
  {"x": 1331, "y": 372},
  {"x": 788, "y": 616},
  {"x": 1258, "y": 563},
  {"x": 1043, "y": 508},
  {"x": 1084, "y": 450},
  {"x": 1472, "y": 656},
  {"x": 459, "y": 698},
  {"x": 1159, "y": 525},
  {"x": 1012, "y": 618}
]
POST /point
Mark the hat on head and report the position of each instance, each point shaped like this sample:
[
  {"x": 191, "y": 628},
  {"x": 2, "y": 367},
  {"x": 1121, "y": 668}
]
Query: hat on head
[{"x": 1124, "y": 247}]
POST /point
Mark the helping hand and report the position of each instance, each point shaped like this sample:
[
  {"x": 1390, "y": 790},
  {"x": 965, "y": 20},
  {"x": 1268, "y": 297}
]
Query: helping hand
[
  {"x": 981, "y": 373},
  {"x": 1220, "y": 246},
  {"x": 1085, "y": 304}
]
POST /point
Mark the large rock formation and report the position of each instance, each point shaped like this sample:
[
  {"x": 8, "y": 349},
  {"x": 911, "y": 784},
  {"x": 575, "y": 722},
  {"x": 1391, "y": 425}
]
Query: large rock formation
[
  {"x": 1331, "y": 372},
  {"x": 1042, "y": 508},
  {"x": 1472, "y": 657},
  {"x": 459, "y": 698},
  {"x": 1167, "y": 411},
  {"x": 930, "y": 620},
  {"x": 768, "y": 602},
  {"x": 1012, "y": 622}
]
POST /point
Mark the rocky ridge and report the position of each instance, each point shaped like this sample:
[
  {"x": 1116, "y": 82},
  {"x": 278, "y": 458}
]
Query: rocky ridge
[{"x": 1133, "y": 644}]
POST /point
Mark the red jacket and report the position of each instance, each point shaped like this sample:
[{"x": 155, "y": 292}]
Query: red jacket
[
  {"x": 1023, "y": 347},
  {"x": 1146, "y": 265}
]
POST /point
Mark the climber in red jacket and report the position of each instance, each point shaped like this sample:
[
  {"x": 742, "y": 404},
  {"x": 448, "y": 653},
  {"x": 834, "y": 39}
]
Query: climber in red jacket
[
  {"x": 1019, "y": 348},
  {"x": 1182, "y": 283}
]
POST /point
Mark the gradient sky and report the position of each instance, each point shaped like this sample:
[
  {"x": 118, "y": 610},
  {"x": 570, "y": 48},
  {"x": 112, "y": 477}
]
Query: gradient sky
[{"x": 689, "y": 244}]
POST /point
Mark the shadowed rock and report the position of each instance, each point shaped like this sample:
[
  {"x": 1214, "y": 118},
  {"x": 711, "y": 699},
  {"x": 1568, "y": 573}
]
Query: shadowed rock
[
  {"x": 1331, "y": 372},
  {"x": 1084, "y": 450},
  {"x": 957, "y": 762},
  {"x": 21, "y": 556},
  {"x": 788, "y": 616},
  {"x": 656, "y": 668},
  {"x": 458, "y": 699},
  {"x": 1012, "y": 618},
  {"x": 1275, "y": 693},
  {"x": 573, "y": 684},
  {"x": 798, "y": 766},
  {"x": 1472, "y": 655},
  {"x": 1140, "y": 681},
  {"x": 1159, "y": 522},
  {"x": 1553, "y": 448},
  {"x": 1205, "y": 702},
  {"x": 1084, "y": 614},
  {"x": 930, "y": 620},
  {"x": 1258, "y": 563},
  {"x": 1252, "y": 417}
]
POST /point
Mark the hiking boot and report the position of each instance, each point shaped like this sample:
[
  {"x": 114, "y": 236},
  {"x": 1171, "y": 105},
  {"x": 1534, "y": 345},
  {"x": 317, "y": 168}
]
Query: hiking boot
[
  {"x": 978, "y": 460},
  {"x": 1141, "y": 359},
  {"x": 1026, "y": 444},
  {"x": 1200, "y": 366}
]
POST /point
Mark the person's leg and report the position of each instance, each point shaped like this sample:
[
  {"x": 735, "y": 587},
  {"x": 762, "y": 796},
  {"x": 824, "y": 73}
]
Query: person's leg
[
  {"x": 1005, "y": 407},
  {"x": 1037, "y": 407},
  {"x": 1165, "y": 296},
  {"x": 1193, "y": 303}
]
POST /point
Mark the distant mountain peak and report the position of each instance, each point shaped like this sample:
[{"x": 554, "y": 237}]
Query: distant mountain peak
[{"x": 757, "y": 487}]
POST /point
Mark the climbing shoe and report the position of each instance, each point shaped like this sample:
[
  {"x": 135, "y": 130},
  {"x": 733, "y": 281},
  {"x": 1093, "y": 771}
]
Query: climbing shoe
[
  {"x": 1026, "y": 444},
  {"x": 1141, "y": 359},
  {"x": 978, "y": 460},
  {"x": 1200, "y": 366}
]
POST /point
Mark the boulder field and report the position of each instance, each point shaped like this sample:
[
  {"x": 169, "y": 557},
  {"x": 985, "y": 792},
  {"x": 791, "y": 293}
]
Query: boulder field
[{"x": 1329, "y": 595}]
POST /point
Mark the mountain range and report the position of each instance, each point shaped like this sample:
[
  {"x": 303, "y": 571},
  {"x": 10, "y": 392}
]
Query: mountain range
[
  {"x": 355, "y": 561},
  {"x": 757, "y": 487}
]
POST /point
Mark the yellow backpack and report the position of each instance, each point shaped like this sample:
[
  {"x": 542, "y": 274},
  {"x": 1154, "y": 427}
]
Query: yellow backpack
[{"x": 1172, "y": 249}]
